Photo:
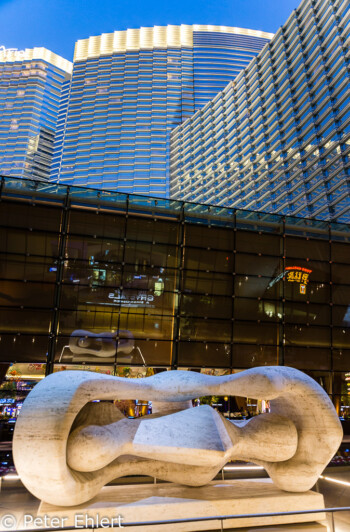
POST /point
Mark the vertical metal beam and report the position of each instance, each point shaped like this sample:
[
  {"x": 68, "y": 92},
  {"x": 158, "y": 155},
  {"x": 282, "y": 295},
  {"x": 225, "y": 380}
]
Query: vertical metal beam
[
  {"x": 282, "y": 344},
  {"x": 1, "y": 186},
  {"x": 335, "y": 381},
  {"x": 57, "y": 294},
  {"x": 233, "y": 294},
  {"x": 121, "y": 288},
  {"x": 177, "y": 294}
]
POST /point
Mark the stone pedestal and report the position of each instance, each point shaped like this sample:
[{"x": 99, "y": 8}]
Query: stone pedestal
[{"x": 158, "y": 502}]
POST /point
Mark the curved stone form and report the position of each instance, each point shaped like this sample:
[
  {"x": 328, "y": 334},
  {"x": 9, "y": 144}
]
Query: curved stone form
[{"x": 67, "y": 447}]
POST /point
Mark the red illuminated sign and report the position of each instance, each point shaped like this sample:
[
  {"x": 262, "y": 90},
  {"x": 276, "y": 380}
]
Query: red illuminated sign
[{"x": 298, "y": 274}]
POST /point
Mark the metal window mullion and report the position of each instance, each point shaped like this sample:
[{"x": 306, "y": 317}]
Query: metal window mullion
[
  {"x": 282, "y": 347},
  {"x": 233, "y": 288},
  {"x": 58, "y": 288},
  {"x": 122, "y": 277},
  {"x": 178, "y": 292}
]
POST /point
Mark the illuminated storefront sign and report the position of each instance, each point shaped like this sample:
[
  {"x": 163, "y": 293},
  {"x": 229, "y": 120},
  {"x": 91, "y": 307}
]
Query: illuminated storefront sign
[
  {"x": 294, "y": 274},
  {"x": 297, "y": 274},
  {"x": 139, "y": 299},
  {"x": 7, "y": 401}
]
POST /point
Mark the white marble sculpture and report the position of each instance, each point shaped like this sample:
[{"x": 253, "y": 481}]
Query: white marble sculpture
[{"x": 66, "y": 447}]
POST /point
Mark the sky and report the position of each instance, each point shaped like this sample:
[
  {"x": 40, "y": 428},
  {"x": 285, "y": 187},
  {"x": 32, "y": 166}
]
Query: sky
[{"x": 58, "y": 24}]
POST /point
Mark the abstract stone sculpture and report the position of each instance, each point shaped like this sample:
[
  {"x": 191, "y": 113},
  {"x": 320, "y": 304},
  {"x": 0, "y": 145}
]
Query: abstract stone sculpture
[{"x": 66, "y": 447}]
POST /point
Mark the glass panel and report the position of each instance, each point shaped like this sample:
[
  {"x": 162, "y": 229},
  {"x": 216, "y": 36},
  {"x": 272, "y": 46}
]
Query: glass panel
[
  {"x": 95, "y": 223},
  {"x": 28, "y": 268},
  {"x": 206, "y": 306},
  {"x": 147, "y": 254},
  {"x": 306, "y": 227},
  {"x": 202, "y": 354},
  {"x": 341, "y": 294},
  {"x": 252, "y": 309},
  {"x": 89, "y": 321},
  {"x": 313, "y": 292},
  {"x": 92, "y": 273},
  {"x": 308, "y": 248},
  {"x": 199, "y": 329},
  {"x": 255, "y": 265},
  {"x": 157, "y": 279},
  {"x": 307, "y": 358},
  {"x": 33, "y": 189},
  {"x": 153, "y": 206},
  {"x": 142, "y": 325},
  {"x": 30, "y": 320},
  {"x": 21, "y": 241},
  {"x": 341, "y": 316},
  {"x": 341, "y": 337},
  {"x": 149, "y": 352},
  {"x": 94, "y": 250},
  {"x": 248, "y": 356},
  {"x": 253, "y": 286},
  {"x": 303, "y": 313},
  {"x": 89, "y": 197},
  {"x": 208, "y": 237},
  {"x": 340, "y": 273},
  {"x": 23, "y": 348},
  {"x": 341, "y": 360},
  {"x": 148, "y": 230},
  {"x": 340, "y": 252},
  {"x": 207, "y": 283},
  {"x": 320, "y": 271},
  {"x": 16, "y": 293},
  {"x": 105, "y": 348},
  {"x": 257, "y": 333},
  {"x": 303, "y": 335},
  {"x": 208, "y": 214},
  {"x": 28, "y": 216},
  {"x": 259, "y": 243},
  {"x": 83, "y": 346},
  {"x": 259, "y": 221},
  {"x": 200, "y": 259}
]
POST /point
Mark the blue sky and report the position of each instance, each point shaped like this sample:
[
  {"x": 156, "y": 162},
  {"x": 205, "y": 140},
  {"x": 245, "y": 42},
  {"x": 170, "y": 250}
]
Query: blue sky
[{"x": 57, "y": 24}]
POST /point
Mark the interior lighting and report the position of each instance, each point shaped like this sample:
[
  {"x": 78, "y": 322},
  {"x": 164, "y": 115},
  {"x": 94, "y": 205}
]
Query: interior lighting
[
  {"x": 243, "y": 468},
  {"x": 11, "y": 477},
  {"x": 32, "y": 377},
  {"x": 342, "y": 482}
]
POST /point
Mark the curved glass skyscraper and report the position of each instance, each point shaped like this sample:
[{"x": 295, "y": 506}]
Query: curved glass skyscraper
[
  {"x": 278, "y": 139},
  {"x": 129, "y": 89}
]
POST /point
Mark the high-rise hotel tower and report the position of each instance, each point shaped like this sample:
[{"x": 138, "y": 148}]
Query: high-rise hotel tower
[
  {"x": 278, "y": 139},
  {"x": 30, "y": 89},
  {"x": 129, "y": 89}
]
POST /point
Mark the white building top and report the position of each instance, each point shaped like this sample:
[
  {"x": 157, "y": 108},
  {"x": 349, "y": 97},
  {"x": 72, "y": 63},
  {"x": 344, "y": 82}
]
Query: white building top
[
  {"x": 11, "y": 55},
  {"x": 148, "y": 38}
]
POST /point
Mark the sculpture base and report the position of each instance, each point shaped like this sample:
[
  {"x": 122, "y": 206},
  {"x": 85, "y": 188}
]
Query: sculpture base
[{"x": 158, "y": 502}]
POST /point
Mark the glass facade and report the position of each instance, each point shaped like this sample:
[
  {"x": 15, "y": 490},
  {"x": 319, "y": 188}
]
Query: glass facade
[
  {"x": 95, "y": 279},
  {"x": 30, "y": 88},
  {"x": 129, "y": 89},
  {"x": 277, "y": 138}
]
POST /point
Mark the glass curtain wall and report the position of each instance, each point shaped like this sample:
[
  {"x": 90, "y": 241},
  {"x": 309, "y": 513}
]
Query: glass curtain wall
[
  {"x": 30, "y": 91},
  {"x": 105, "y": 280},
  {"x": 130, "y": 89},
  {"x": 277, "y": 138}
]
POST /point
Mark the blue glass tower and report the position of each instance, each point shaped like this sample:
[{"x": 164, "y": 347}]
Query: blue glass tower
[
  {"x": 30, "y": 88},
  {"x": 129, "y": 89},
  {"x": 278, "y": 138}
]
